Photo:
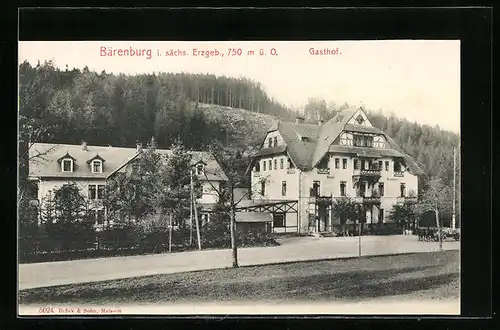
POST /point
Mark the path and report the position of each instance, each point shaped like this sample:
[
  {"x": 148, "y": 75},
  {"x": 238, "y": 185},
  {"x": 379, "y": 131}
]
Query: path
[{"x": 292, "y": 249}]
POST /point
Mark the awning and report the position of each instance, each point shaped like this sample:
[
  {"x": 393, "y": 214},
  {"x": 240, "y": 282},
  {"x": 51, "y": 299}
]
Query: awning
[{"x": 253, "y": 217}]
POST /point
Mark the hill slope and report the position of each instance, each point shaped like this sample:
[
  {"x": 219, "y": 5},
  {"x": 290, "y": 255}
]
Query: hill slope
[{"x": 247, "y": 128}]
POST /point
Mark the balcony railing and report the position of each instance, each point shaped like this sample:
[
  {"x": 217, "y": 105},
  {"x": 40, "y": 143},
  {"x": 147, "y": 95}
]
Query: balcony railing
[
  {"x": 316, "y": 199},
  {"x": 367, "y": 199},
  {"x": 370, "y": 172},
  {"x": 323, "y": 171},
  {"x": 256, "y": 174},
  {"x": 407, "y": 200},
  {"x": 371, "y": 200},
  {"x": 399, "y": 174},
  {"x": 290, "y": 171}
]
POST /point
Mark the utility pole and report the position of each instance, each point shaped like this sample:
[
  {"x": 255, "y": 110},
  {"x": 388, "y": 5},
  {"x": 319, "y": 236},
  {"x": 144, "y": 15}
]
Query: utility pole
[
  {"x": 359, "y": 232},
  {"x": 454, "y": 187},
  {"x": 193, "y": 204},
  {"x": 191, "y": 210},
  {"x": 170, "y": 233}
]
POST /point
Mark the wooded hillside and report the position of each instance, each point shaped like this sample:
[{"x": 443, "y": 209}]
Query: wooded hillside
[{"x": 68, "y": 106}]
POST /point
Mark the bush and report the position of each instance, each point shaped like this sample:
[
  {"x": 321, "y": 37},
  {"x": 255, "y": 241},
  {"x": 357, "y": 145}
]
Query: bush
[{"x": 216, "y": 234}]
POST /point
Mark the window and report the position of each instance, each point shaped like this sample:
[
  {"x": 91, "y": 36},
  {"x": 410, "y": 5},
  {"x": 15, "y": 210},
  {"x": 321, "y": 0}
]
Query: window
[
  {"x": 356, "y": 164},
  {"x": 381, "y": 215},
  {"x": 362, "y": 190},
  {"x": 402, "y": 189},
  {"x": 67, "y": 165},
  {"x": 96, "y": 166},
  {"x": 270, "y": 143},
  {"x": 397, "y": 166},
  {"x": 315, "y": 191},
  {"x": 380, "y": 165},
  {"x": 270, "y": 165},
  {"x": 283, "y": 188},
  {"x": 282, "y": 162},
  {"x": 387, "y": 165},
  {"x": 263, "y": 188},
  {"x": 363, "y": 164},
  {"x": 323, "y": 164},
  {"x": 100, "y": 191},
  {"x": 381, "y": 189},
  {"x": 275, "y": 141},
  {"x": 257, "y": 167},
  {"x": 357, "y": 140},
  {"x": 205, "y": 218},
  {"x": 199, "y": 169},
  {"x": 369, "y": 141},
  {"x": 344, "y": 163},
  {"x": 337, "y": 162},
  {"x": 360, "y": 119},
  {"x": 275, "y": 164},
  {"x": 278, "y": 219},
  {"x": 342, "y": 188},
  {"x": 96, "y": 191},
  {"x": 264, "y": 165}
]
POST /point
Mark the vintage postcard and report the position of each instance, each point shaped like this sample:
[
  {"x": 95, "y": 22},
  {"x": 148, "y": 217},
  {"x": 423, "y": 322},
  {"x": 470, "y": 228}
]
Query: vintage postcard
[{"x": 277, "y": 177}]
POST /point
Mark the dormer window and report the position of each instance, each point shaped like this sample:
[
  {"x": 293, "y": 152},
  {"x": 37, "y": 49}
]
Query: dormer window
[
  {"x": 67, "y": 165},
  {"x": 96, "y": 166},
  {"x": 199, "y": 169}
]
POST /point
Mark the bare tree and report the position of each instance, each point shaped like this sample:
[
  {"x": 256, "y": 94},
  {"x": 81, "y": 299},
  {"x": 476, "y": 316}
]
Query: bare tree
[
  {"x": 436, "y": 198},
  {"x": 232, "y": 165}
]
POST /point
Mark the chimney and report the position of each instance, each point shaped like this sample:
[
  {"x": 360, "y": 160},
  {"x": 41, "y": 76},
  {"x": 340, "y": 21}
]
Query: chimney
[
  {"x": 84, "y": 146},
  {"x": 139, "y": 147},
  {"x": 299, "y": 120}
]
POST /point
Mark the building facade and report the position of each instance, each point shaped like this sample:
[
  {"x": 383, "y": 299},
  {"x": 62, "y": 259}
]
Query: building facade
[
  {"x": 90, "y": 167},
  {"x": 314, "y": 164}
]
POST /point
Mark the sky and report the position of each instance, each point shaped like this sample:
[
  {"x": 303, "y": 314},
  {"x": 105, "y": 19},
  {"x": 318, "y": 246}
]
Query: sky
[{"x": 415, "y": 79}]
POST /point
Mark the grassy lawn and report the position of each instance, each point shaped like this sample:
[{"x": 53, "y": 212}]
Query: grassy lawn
[{"x": 421, "y": 275}]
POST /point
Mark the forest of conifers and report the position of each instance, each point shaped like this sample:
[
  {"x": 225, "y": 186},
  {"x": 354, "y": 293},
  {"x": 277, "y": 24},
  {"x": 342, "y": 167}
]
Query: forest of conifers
[{"x": 68, "y": 106}]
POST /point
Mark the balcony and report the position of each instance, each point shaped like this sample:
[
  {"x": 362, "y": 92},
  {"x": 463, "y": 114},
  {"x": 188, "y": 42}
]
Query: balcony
[
  {"x": 369, "y": 172},
  {"x": 407, "y": 200},
  {"x": 374, "y": 199},
  {"x": 399, "y": 174},
  {"x": 371, "y": 200},
  {"x": 320, "y": 199},
  {"x": 323, "y": 171},
  {"x": 290, "y": 171}
]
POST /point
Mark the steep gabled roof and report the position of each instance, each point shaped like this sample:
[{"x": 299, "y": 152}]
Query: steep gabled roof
[
  {"x": 308, "y": 143},
  {"x": 67, "y": 156},
  {"x": 96, "y": 157},
  {"x": 301, "y": 151},
  {"x": 116, "y": 158}
]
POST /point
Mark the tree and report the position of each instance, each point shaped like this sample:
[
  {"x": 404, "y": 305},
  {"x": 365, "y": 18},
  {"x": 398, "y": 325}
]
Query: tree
[
  {"x": 344, "y": 208},
  {"x": 232, "y": 165},
  {"x": 403, "y": 214},
  {"x": 436, "y": 198},
  {"x": 72, "y": 225},
  {"x": 121, "y": 199}
]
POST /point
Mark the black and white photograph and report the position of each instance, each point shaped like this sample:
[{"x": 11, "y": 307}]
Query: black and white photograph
[{"x": 243, "y": 177}]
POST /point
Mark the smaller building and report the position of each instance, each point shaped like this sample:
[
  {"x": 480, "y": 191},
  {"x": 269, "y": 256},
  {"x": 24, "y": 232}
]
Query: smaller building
[
  {"x": 90, "y": 167},
  {"x": 256, "y": 221}
]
